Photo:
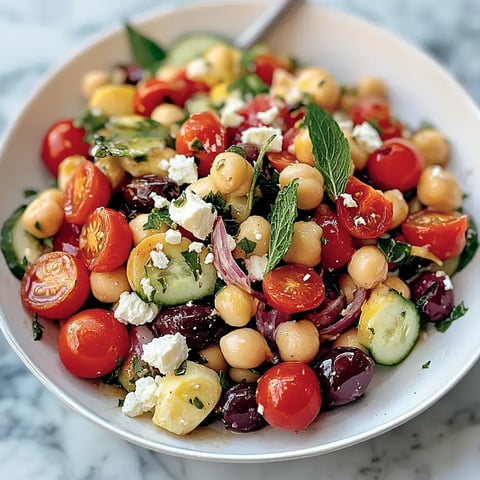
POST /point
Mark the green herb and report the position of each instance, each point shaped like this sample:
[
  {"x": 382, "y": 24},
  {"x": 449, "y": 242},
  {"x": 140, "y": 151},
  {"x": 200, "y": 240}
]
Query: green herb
[
  {"x": 471, "y": 245},
  {"x": 38, "y": 226},
  {"x": 197, "y": 145},
  {"x": 121, "y": 402},
  {"x": 37, "y": 328},
  {"x": 91, "y": 122},
  {"x": 330, "y": 149},
  {"x": 192, "y": 260},
  {"x": 112, "y": 377},
  {"x": 201, "y": 359},
  {"x": 237, "y": 149},
  {"x": 249, "y": 85},
  {"x": 224, "y": 381},
  {"x": 219, "y": 165},
  {"x": 181, "y": 370},
  {"x": 157, "y": 218},
  {"x": 248, "y": 246},
  {"x": 459, "y": 311},
  {"x": 374, "y": 123},
  {"x": 196, "y": 402},
  {"x": 426, "y": 364},
  {"x": 284, "y": 212},
  {"x": 163, "y": 284},
  {"x": 395, "y": 251},
  {"x": 137, "y": 365},
  {"x": 216, "y": 200},
  {"x": 29, "y": 193},
  {"x": 145, "y": 51},
  {"x": 219, "y": 284},
  {"x": 180, "y": 201},
  {"x": 136, "y": 148},
  {"x": 248, "y": 58}
]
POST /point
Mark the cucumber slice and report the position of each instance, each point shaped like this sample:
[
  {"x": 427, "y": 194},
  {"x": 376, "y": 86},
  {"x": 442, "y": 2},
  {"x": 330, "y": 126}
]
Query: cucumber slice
[
  {"x": 191, "y": 46},
  {"x": 389, "y": 327},
  {"x": 19, "y": 248},
  {"x": 177, "y": 283}
]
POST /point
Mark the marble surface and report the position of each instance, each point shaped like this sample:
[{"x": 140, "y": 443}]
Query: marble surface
[{"x": 42, "y": 439}]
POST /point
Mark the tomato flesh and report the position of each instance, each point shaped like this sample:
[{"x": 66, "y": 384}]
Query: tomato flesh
[
  {"x": 280, "y": 160},
  {"x": 265, "y": 65},
  {"x": 105, "y": 240},
  {"x": 92, "y": 342},
  {"x": 288, "y": 396},
  {"x": 152, "y": 93},
  {"x": 293, "y": 288},
  {"x": 56, "y": 285}
]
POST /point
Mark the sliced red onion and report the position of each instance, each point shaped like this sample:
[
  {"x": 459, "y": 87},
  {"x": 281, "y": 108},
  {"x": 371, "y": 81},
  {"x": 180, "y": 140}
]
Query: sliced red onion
[
  {"x": 268, "y": 321},
  {"x": 350, "y": 315},
  {"x": 139, "y": 336},
  {"x": 223, "y": 259},
  {"x": 327, "y": 313}
]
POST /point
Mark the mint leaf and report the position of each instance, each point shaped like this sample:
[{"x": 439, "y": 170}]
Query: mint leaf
[
  {"x": 471, "y": 245},
  {"x": 157, "y": 218},
  {"x": 330, "y": 149},
  {"x": 192, "y": 260},
  {"x": 248, "y": 246},
  {"x": 284, "y": 212},
  {"x": 395, "y": 251},
  {"x": 91, "y": 122},
  {"x": 459, "y": 311},
  {"x": 37, "y": 328},
  {"x": 249, "y": 84}
]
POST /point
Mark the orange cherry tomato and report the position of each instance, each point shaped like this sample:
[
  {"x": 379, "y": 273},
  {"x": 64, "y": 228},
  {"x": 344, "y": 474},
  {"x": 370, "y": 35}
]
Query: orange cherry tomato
[
  {"x": 442, "y": 233},
  {"x": 370, "y": 213},
  {"x": 105, "y": 240},
  {"x": 280, "y": 160},
  {"x": 153, "y": 92},
  {"x": 88, "y": 189},
  {"x": 293, "y": 288},
  {"x": 91, "y": 343},
  {"x": 56, "y": 285},
  {"x": 288, "y": 396}
]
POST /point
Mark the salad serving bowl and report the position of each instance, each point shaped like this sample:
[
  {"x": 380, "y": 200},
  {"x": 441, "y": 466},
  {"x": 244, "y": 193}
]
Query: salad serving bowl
[{"x": 349, "y": 48}]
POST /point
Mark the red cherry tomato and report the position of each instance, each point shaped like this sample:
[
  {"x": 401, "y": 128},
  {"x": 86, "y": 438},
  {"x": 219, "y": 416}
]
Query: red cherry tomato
[
  {"x": 152, "y": 93},
  {"x": 293, "y": 288},
  {"x": 105, "y": 240},
  {"x": 280, "y": 160},
  {"x": 188, "y": 87},
  {"x": 201, "y": 135},
  {"x": 442, "y": 233},
  {"x": 367, "y": 214},
  {"x": 256, "y": 106},
  {"x": 88, "y": 189},
  {"x": 288, "y": 396},
  {"x": 62, "y": 140},
  {"x": 91, "y": 343},
  {"x": 265, "y": 65},
  {"x": 56, "y": 285},
  {"x": 66, "y": 239},
  {"x": 337, "y": 243},
  {"x": 396, "y": 164}
]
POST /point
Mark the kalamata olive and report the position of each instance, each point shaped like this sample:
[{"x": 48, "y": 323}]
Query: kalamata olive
[
  {"x": 433, "y": 294},
  {"x": 197, "y": 323},
  {"x": 251, "y": 151},
  {"x": 238, "y": 408},
  {"x": 137, "y": 192},
  {"x": 345, "y": 374},
  {"x": 130, "y": 74}
]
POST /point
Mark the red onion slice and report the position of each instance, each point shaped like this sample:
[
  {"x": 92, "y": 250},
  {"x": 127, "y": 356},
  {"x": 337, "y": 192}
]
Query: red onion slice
[
  {"x": 327, "y": 313},
  {"x": 268, "y": 321}
]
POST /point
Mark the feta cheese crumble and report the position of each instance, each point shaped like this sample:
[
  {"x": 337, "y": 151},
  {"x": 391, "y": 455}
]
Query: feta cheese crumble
[
  {"x": 268, "y": 116},
  {"x": 228, "y": 114},
  {"x": 158, "y": 200},
  {"x": 342, "y": 120},
  {"x": 195, "y": 247},
  {"x": 166, "y": 353},
  {"x": 197, "y": 68},
  {"x": 182, "y": 169},
  {"x": 367, "y": 137},
  {"x": 259, "y": 135},
  {"x": 447, "y": 282},
  {"x": 147, "y": 287},
  {"x": 359, "y": 221},
  {"x": 144, "y": 398},
  {"x": 348, "y": 200},
  {"x": 209, "y": 258},
  {"x": 173, "y": 237},
  {"x": 255, "y": 266},
  {"x": 159, "y": 259},
  {"x": 133, "y": 310}
]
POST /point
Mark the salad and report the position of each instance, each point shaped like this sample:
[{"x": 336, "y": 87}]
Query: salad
[{"x": 234, "y": 236}]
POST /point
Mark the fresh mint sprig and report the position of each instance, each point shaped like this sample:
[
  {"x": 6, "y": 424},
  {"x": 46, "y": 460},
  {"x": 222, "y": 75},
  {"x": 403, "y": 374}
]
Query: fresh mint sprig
[{"x": 145, "y": 51}]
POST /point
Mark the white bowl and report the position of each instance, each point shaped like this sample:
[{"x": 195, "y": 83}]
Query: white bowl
[{"x": 349, "y": 48}]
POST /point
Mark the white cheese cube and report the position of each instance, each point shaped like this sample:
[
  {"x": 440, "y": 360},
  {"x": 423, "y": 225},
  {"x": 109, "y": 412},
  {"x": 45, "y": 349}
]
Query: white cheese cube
[
  {"x": 259, "y": 135},
  {"x": 132, "y": 309},
  {"x": 166, "y": 353}
]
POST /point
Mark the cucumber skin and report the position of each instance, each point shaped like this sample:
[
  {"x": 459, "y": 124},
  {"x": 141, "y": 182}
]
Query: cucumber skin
[{"x": 191, "y": 46}]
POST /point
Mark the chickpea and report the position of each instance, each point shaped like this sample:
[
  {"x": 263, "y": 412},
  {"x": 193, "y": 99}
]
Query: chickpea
[
  {"x": 214, "y": 358},
  {"x": 432, "y": 145},
  {"x": 303, "y": 147},
  {"x": 223, "y": 63},
  {"x": 256, "y": 229},
  {"x": 400, "y": 207},
  {"x": 136, "y": 227},
  {"x": 371, "y": 87},
  {"x": 347, "y": 286},
  {"x": 231, "y": 174},
  {"x": 167, "y": 114},
  {"x": 282, "y": 83},
  {"x": 243, "y": 375},
  {"x": 368, "y": 267},
  {"x": 168, "y": 73},
  {"x": 67, "y": 168},
  {"x": 349, "y": 339},
  {"x": 235, "y": 306},
  {"x": 107, "y": 286},
  {"x": 43, "y": 217},
  {"x": 396, "y": 283},
  {"x": 306, "y": 246},
  {"x": 358, "y": 154},
  {"x": 244, "y": 348},
  {"x": 439, "y": 189},
  {"x": 310, "y": 184},
  {"x": 297, "y": 341},
  {"x": 92, "y": 80},
  {"x": 321, "y": 86},
  {"x": 52, "y": 194},
  {"x": 203, "y": 186},
  {"x": 111, "y": 168}
]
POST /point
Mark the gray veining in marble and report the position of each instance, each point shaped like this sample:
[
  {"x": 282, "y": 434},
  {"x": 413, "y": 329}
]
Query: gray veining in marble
[{"x": 41, "y": 439}]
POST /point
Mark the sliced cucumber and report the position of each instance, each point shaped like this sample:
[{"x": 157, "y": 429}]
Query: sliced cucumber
[
  {"x": 177, "y": 283},
  {"x": 389, "y": 327},
  {"x": 191, "y": 46},
  {"x": 20, "y": 248}
]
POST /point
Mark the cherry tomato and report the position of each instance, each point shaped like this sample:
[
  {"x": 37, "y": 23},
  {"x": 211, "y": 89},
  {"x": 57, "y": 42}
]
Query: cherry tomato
[
  {"x": 396, "y": 164},
  {"x": 91, "y": 343},
  {"x": 56, "y": 285},
  {"x": 66, "y": 239},
  {"x": 152, "y": 93},
  {"x": 256, "y": 106},
  {"x": 265, "y": 65},
  {"x": 337, "y": 243},
  {"x": 62, "y": 140},
  {"x": 367, "y": 214},
  {"x": 280, "y": 160},
  {"x": 105, "y": 240},
  {"x": 288, "y": 396},
  {"x": 293, "y": 288},
  {"x": 188, "y": 87},
  {"x": 201, "y": 135},
  {"x": 88, "y": 189},
  {"x": 442, "y": 233}
]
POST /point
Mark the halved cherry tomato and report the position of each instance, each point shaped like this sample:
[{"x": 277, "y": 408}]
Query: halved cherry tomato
[
  {"x": 396, "y": 164},
  {"x": 280, "y": 160},
  {"x": 62, "y": 140},
  {"x": 66, "y": 239},
  {"x": 105, "y": 240},
  {"x": 442, "y": 233},
  {"x": 188, "y": 87},
  {"x": 288, "y": 396},
  {"x": 91, "y": 343},
  {"x": 367, "y": 214},
  {"x": 203, "y": 136},
  {"x": 265, "y": 64},
  {"x": 152, "y": 93},
  {"x": 337, "y": 243},
  {"x": 293, "y": 288},
  {"x": 258, "y": 105},
  {"x": 88, "y": 189},
  {"x": 56, "y": 285}
]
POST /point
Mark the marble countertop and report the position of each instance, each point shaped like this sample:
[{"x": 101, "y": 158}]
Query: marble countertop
[{"x": 40, "y": 438}]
